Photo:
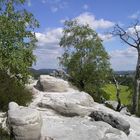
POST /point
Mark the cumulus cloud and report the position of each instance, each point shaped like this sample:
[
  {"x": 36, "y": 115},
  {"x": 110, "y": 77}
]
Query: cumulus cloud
[
  {"x": 48, "y": 49},
  {"x": 132, "y": 30},
  {"x": 135, "y": 15},
  {"x": 105, "y": 37},
  {"x": 129, "y": 52},
  {"x": 124, "y": 59},
  {"x": 47, "y": 58},
  {"x": 88, "y": 18},
  {"x": 48, "y": 43},
  {"x": 50, "y": 38}
]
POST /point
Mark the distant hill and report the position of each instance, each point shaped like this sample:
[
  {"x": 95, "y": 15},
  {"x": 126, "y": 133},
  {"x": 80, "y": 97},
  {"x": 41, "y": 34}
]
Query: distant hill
[
  {"x": 37, "y": 73},
  {"x": 129, "y": 72}
]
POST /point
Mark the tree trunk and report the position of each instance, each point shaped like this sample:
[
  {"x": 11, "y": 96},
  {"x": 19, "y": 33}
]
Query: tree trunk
[
  {"x": 117, "y": 94},
  {"x": 135, "y": 101},
  {"x": 82, "y": 85}
]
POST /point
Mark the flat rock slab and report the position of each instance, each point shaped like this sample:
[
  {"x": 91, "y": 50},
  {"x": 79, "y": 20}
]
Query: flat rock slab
[{"x": 78, "y": 128}]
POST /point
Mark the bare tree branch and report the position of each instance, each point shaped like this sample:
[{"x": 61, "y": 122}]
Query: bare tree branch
[{"x": 126, "y": 37}]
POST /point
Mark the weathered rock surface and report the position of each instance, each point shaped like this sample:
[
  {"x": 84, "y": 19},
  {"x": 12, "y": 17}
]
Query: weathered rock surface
[
  {"x": 51, "y": 84},
  {"x": 116, "y": 122},
  {"x": 79, "y": 128},
  {"x": 111, "y": 104},
  {"x": 24, "y": 123},
  {"x": 68, "y": 104},
  {"x": 65, "y": 116}
]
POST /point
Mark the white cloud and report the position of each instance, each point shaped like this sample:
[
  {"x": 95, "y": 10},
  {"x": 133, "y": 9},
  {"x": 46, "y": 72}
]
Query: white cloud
[
  {"x": 135, "y": 15},
  {"x": 48, "y": 49},
  {"x": 48, "y": 42},
  {"x": 47, "y": 58},
  {"x": 88, "y": 18},
  {"x": 105, "y": 37},
  {"x": 85, "y": 6},
  {"x": 129, "y": 52},
  {"x": 124, "y": 59},
  {"x": 132, "y": 30},
  {"x": 50, "y": 38}
]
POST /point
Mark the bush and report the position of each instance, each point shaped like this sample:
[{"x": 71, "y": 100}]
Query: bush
[
  {"x": 12, "y": 90},
  {"x": 98, "y": 94},
  {"x": 4, "y": 135}
]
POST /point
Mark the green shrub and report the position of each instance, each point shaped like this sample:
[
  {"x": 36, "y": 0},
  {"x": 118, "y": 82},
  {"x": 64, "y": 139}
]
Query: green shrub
[
  {"x": 97, "y": 93},
  {"x": 4, "y": 135},
  {"x": 12, "y": 90}
]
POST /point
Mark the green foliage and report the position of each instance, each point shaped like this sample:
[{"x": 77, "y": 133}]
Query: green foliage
[
  {"x": 12, "y": 90},
  {"x": 84, "y": 57},
  {"x": 17, "y": 39},
  {"x": 4, "y": 135},
  {"x": 124, "y": 93}
]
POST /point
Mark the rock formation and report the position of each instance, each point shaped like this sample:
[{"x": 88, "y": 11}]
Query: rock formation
[
  {"x": 68, "y": 114},
  {"x": 24, "y": 123},
  {"x": 50, "y": 84}
]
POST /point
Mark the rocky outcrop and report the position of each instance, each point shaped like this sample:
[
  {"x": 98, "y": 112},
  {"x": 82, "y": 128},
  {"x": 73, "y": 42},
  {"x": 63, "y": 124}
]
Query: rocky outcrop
[
  {"x": 50, "y": 84},
  {"x": 79, "y": 128},
  {"x": 111, "y": 104},
  {"x": 24, "y": 123},
  {"x": 68, "y": 104},
  {"x": 116, "y": 122},
  {"x": 69, "y": 116}
]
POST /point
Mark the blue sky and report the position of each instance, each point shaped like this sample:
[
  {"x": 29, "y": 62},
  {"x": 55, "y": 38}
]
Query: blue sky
[{"x": 101, "y": 15}]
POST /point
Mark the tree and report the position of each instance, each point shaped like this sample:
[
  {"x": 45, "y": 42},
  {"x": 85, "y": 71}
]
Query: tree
[
  {"x": 84, "y": 57},
  {"x": 17, "y": 39},
  {"x": 131, "y": 36}
]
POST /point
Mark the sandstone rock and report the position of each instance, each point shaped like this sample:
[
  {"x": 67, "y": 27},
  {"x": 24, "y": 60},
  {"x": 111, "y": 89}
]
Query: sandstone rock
[
  {"x": 114, "y": 134},
  {"x": 115, "y": 122},
  {"x": 79, "y": 128},
  {"x": 111, "y": 104},
  {"x": 51, "y": 84},
  {"x": 68, "y": 104},
  {"x": 125, "y": 111},
  {"x": 57, "y": 126},
  {"x": 24, "y": 123}
]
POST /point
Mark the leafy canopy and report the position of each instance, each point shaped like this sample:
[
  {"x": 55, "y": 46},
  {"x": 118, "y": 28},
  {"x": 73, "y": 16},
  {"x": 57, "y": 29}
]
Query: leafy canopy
[
  {"x": 17, "y": 39},
  {"x": 84, "y": 57}
]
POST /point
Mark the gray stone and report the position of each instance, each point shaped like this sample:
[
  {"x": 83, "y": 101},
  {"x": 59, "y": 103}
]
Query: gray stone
[
  {"x": 79, "y": 128},
  {"x": 116, "y": 122},
  {"x": 125, "y": 111},
  {"x": 51, "y": 84},
  {"x": 68, "y": 104},
  {"x": 111, "y": 104},
  {"x": 24, "y": 123}
]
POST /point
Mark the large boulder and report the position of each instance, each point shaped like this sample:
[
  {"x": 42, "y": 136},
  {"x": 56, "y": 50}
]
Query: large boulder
[
  {"x": 116, "y": 122},
  {"x": 51, "y": 84},
  {"x": 79, "y": 128},
  {"x": 24, "y": 123},
  {"x": 68, "y": 103}
]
